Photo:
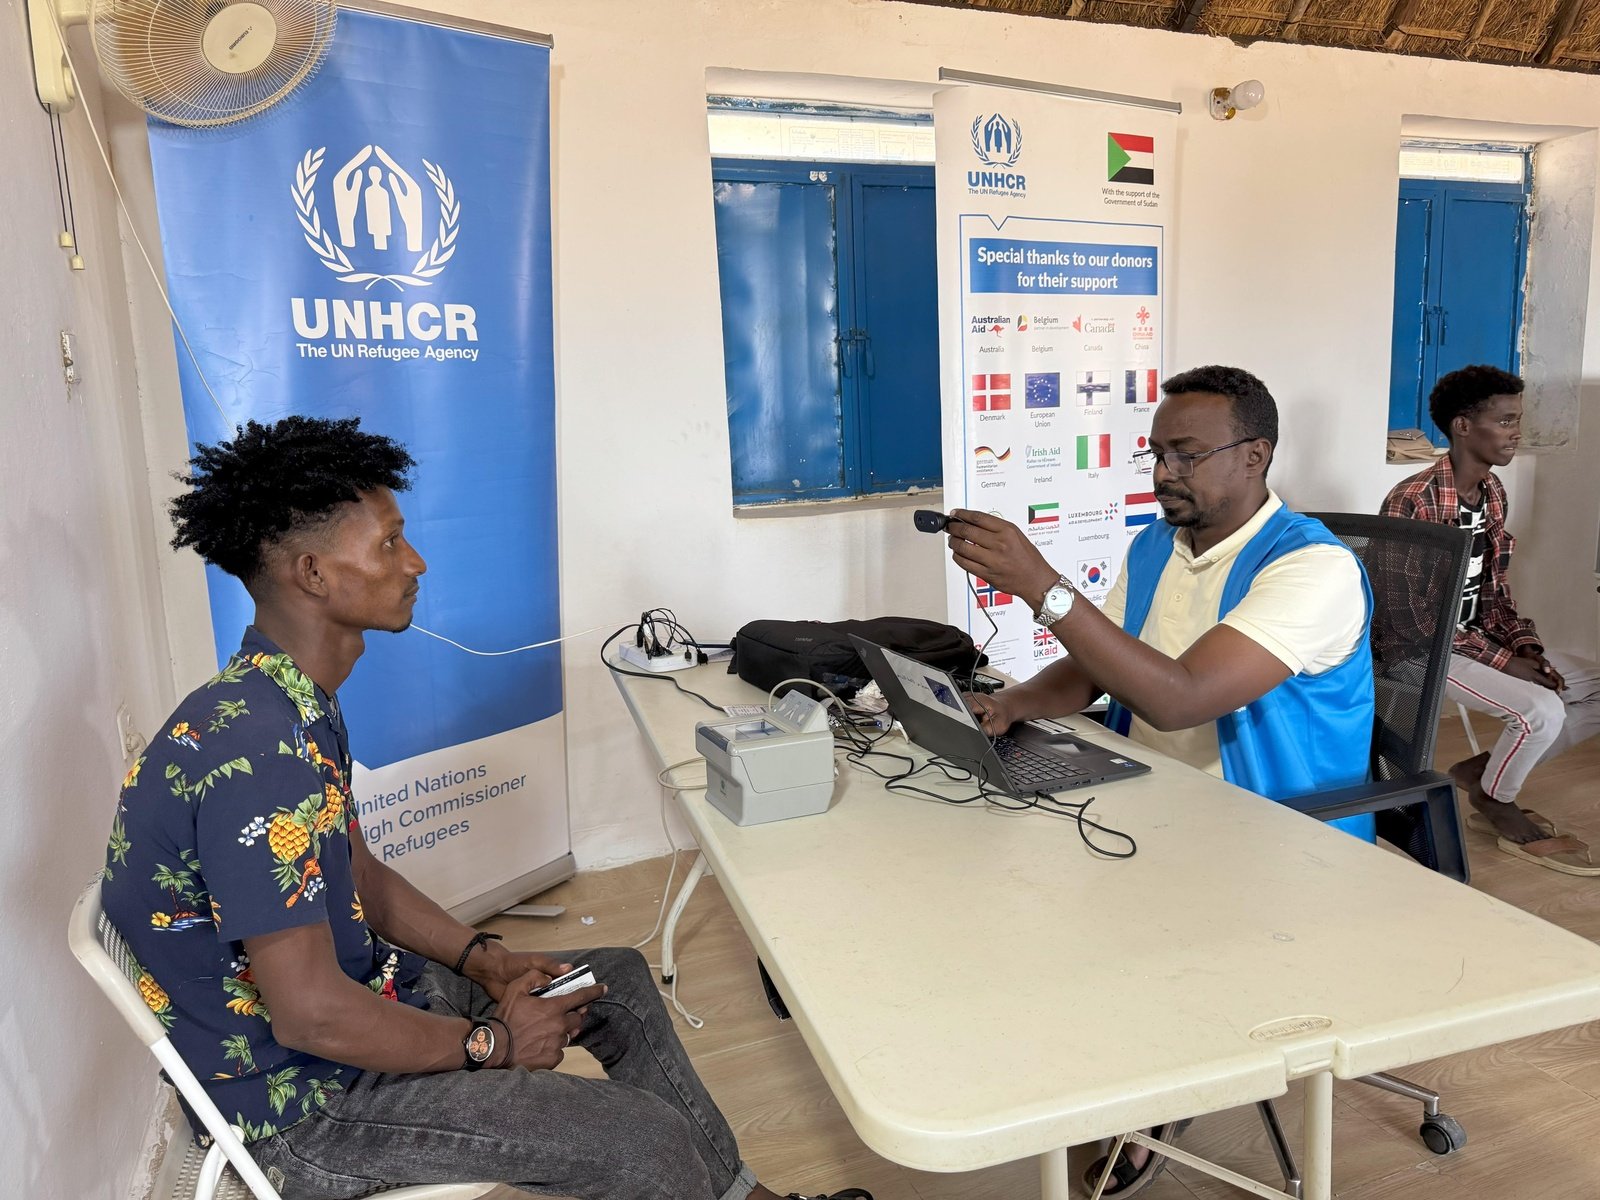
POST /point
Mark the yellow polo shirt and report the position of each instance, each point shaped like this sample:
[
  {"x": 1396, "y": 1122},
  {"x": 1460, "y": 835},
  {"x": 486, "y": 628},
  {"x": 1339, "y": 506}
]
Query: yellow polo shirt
[{"x": 1306, "y": 609}]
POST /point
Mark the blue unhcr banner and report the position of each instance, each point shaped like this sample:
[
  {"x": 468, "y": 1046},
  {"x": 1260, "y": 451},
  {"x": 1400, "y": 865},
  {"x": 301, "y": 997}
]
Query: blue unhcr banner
[{"x": 378, "y": 245}]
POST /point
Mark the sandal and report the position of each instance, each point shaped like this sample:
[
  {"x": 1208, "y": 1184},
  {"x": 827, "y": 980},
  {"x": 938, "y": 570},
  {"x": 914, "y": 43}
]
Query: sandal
[
  {"x": 847, "y": 1194},
  {"x": 1479, "y": 823},
  {"x": 1129, "y": 1180},
  {"x": 1556, "y": 850}
]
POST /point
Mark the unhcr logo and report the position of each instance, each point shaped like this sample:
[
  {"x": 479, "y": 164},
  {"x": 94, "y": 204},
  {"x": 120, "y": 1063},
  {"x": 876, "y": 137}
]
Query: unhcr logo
[
  {"x": 997, "y": 142},
  {"x": 379, "y": 238}
]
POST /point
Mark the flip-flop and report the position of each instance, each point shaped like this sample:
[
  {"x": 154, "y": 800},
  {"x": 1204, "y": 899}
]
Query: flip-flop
[
  {"x": 1479, "y": 823},
  {"x": 1563, "y": 853},
  {"x": 1132, "y": 1180}
]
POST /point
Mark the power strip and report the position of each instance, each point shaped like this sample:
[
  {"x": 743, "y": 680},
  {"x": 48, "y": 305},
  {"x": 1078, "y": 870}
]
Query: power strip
[{"x": 638, "y": 656}]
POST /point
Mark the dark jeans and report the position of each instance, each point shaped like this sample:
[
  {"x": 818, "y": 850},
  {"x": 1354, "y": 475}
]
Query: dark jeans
[{"x": 648, "y": 1132}]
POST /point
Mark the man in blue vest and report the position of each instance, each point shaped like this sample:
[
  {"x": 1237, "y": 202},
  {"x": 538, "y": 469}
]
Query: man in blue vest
[{"x": 1235, "y": 636}]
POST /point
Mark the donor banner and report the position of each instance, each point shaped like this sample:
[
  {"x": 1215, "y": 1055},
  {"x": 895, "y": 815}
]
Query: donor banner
[
  {"x": 378, "y": 245},
  {"x": 1054, "y": 234}
]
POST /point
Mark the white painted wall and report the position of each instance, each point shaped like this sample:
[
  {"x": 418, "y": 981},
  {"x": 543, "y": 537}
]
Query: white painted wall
[
  {"x": 80, "y": 631},
  {"x": 1284, "y": 265}
]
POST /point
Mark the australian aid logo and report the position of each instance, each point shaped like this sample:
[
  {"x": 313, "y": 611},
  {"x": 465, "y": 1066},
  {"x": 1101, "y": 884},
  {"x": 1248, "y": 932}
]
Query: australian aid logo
[{"x": 391, "y": 236}]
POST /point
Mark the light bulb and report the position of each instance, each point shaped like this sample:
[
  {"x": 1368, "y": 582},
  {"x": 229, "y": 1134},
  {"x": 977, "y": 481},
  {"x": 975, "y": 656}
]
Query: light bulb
[{"x": 1247, "y": 94}]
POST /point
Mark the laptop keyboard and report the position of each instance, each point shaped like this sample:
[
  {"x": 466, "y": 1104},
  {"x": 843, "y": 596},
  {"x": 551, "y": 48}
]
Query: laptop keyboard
[{"x": 1029, "y": 768}]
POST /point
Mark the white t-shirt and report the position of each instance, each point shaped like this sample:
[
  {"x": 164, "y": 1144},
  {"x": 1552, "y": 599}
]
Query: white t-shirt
[{"x": 1306, "y": 609}]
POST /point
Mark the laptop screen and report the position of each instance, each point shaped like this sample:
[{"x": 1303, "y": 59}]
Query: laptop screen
[{"x": 930, "y": 687}]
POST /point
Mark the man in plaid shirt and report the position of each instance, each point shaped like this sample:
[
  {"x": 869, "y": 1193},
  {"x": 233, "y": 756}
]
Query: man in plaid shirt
[{"x": 1498, "y": 664}]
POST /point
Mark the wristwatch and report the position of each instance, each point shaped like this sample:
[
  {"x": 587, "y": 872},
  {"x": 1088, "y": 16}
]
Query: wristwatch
[
  {"x": 1057, "y": 603},
  {"x": 478, "y": 1046}
]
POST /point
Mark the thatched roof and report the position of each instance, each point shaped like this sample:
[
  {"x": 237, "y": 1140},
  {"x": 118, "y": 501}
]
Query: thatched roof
[{"x": 1531, "y": 33}]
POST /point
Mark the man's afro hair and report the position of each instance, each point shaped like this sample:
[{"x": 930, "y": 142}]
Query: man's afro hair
[{"x": 246, "y": 495}]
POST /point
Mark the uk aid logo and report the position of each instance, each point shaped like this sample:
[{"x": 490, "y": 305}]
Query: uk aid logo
[
  {"x": 379, "y": 240},
  {"x": 997, "y": 144}
]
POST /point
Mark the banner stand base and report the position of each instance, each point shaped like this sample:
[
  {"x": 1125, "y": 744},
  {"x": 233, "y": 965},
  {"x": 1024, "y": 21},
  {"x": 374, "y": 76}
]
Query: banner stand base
[
  {"x": 534, "y": 910},
  {"x": 500, "y": 899}
]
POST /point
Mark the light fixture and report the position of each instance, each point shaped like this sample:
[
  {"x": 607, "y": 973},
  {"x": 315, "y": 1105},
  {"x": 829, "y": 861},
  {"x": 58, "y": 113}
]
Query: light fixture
[{"x": 1226, "y": 102}]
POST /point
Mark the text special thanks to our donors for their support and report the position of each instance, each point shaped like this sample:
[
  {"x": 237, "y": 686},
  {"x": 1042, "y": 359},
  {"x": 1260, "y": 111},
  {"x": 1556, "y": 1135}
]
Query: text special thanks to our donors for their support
[{"x": 1062, "y": 268}]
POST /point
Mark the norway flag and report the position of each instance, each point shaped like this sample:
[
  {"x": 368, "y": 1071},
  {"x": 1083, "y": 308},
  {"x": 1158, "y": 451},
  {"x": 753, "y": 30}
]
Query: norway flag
[{"x": 988, "y": 595}]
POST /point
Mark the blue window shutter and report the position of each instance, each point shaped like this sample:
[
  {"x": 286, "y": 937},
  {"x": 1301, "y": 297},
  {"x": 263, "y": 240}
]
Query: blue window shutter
[
  {"x": 1480, "y": 280},
  {"x": 1463, "y": 248},
  {"x": 779, "y": 284},
  {"x": 1410, "y": 347},
  {"x": 897, "y": 414}
]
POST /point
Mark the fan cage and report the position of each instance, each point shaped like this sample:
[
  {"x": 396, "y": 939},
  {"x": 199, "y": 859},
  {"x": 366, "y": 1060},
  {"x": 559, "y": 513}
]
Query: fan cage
[{"x": 151, "y": 51}]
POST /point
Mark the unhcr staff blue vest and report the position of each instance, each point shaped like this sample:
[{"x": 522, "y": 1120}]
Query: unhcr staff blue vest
[{"x": 1311, "y": 733}]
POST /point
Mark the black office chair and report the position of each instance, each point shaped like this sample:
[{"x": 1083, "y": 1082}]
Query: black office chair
[{"x": 1417, "y": 570}]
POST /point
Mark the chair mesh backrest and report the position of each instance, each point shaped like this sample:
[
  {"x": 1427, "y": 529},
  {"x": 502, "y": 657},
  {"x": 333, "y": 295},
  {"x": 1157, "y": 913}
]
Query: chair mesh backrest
[{"x": 1417, "y": 570}]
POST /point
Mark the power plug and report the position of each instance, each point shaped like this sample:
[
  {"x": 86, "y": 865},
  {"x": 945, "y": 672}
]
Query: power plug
[{"x": 670, "y": 660}]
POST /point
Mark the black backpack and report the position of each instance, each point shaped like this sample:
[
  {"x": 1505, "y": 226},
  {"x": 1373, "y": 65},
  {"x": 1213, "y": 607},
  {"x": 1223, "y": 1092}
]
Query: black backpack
[{"x": 767, "y": 652}]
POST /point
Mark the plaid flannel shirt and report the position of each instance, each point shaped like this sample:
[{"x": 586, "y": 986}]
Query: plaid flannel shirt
[{"x": 1431, "y": 496}]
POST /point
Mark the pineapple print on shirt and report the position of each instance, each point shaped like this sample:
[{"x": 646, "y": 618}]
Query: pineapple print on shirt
[{"x": 237, "y": 822}]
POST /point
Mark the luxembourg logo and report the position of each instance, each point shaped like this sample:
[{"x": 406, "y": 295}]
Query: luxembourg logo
[
  {"x": 998, "y": 144},
  {"x": 372, "y": 189},
  {"x": 379, "y": 236}
]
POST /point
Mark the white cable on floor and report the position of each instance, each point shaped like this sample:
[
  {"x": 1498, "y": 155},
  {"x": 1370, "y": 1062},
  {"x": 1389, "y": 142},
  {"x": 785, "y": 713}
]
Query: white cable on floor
[{"x": 669, "y": 788}]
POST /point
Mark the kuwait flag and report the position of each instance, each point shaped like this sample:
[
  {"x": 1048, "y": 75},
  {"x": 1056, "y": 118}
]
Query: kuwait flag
[
  {"x": 988, "y": 595},
  {"x": 1130, "y": 158},
  {"x": 991, "y": 393},
  {"x": 1094, "y": 450},
  {"x": 1139, "y": 387},
  {"x": 1044, "y": 514},
  {"x": 1142, "y": 510}
]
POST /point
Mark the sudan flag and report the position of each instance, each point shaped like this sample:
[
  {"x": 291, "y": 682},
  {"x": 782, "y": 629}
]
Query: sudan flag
[{"x": 1130, "y": 158}]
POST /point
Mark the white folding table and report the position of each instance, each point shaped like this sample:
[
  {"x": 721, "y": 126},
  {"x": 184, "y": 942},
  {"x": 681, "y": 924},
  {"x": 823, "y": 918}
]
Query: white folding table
[{"x": 977, "y": 987}]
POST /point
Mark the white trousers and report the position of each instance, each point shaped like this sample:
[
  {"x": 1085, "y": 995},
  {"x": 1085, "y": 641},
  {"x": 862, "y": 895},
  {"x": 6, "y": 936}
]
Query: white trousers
[{"x": 1539, "y": 723}]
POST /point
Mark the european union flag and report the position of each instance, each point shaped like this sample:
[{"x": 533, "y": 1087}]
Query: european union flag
[{"x": 1044, "y": 390}]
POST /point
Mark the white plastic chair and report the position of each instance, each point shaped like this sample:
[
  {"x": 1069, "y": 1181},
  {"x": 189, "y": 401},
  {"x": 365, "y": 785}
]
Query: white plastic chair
[
  {"x": 1466, "y": 723},
  {"x": 225, "y": 1171}
]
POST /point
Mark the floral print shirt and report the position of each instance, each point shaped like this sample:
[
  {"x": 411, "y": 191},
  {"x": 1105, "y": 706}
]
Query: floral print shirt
[{"x": 236, "y": 823}]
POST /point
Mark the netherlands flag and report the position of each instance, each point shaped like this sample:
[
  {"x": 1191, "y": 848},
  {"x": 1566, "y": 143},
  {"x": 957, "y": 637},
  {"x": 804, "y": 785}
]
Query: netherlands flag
[
  {"x": 1130, "y": 158},
  {"x": 1142, "y": 510}
]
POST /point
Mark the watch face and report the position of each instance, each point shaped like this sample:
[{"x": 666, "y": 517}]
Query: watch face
[
  {"x": 480, "y": 1043},
  {"x": 1058, "y": 599}
]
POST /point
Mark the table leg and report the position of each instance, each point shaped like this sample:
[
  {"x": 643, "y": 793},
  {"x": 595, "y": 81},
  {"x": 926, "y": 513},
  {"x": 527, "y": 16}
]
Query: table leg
[
  {"x": 1055, "y": 1180},
  {"x": 668, "y": 966},
  {"x": 1319, "y": 1136}
]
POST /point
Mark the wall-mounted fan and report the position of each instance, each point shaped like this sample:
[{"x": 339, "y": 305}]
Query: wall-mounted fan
[{"x": 190, "y": 62}]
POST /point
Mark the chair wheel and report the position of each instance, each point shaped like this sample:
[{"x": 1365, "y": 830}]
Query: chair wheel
[{"x": 1443, "y": 1134}]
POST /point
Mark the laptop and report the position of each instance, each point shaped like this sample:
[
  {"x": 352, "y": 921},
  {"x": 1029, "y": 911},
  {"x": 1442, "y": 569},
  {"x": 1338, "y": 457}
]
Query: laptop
[{"x": 1026, "y": 759}]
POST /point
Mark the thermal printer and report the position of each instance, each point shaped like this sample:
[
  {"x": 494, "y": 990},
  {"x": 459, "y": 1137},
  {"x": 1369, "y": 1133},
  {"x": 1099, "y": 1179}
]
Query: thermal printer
[{"x": 771, "y": 767}]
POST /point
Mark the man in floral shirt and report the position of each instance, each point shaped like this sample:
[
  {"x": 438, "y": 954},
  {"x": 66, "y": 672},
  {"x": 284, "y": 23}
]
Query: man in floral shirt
[{"x": 353, "y": 1032}]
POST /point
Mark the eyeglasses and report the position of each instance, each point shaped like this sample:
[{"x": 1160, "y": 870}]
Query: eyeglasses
[{"x": 1181, "y": 462}]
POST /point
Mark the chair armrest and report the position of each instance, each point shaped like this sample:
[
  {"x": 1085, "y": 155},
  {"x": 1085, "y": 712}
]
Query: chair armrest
[
  {"x": 1377, "y": 795},
  {"x": 1417, "y": 813}
]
